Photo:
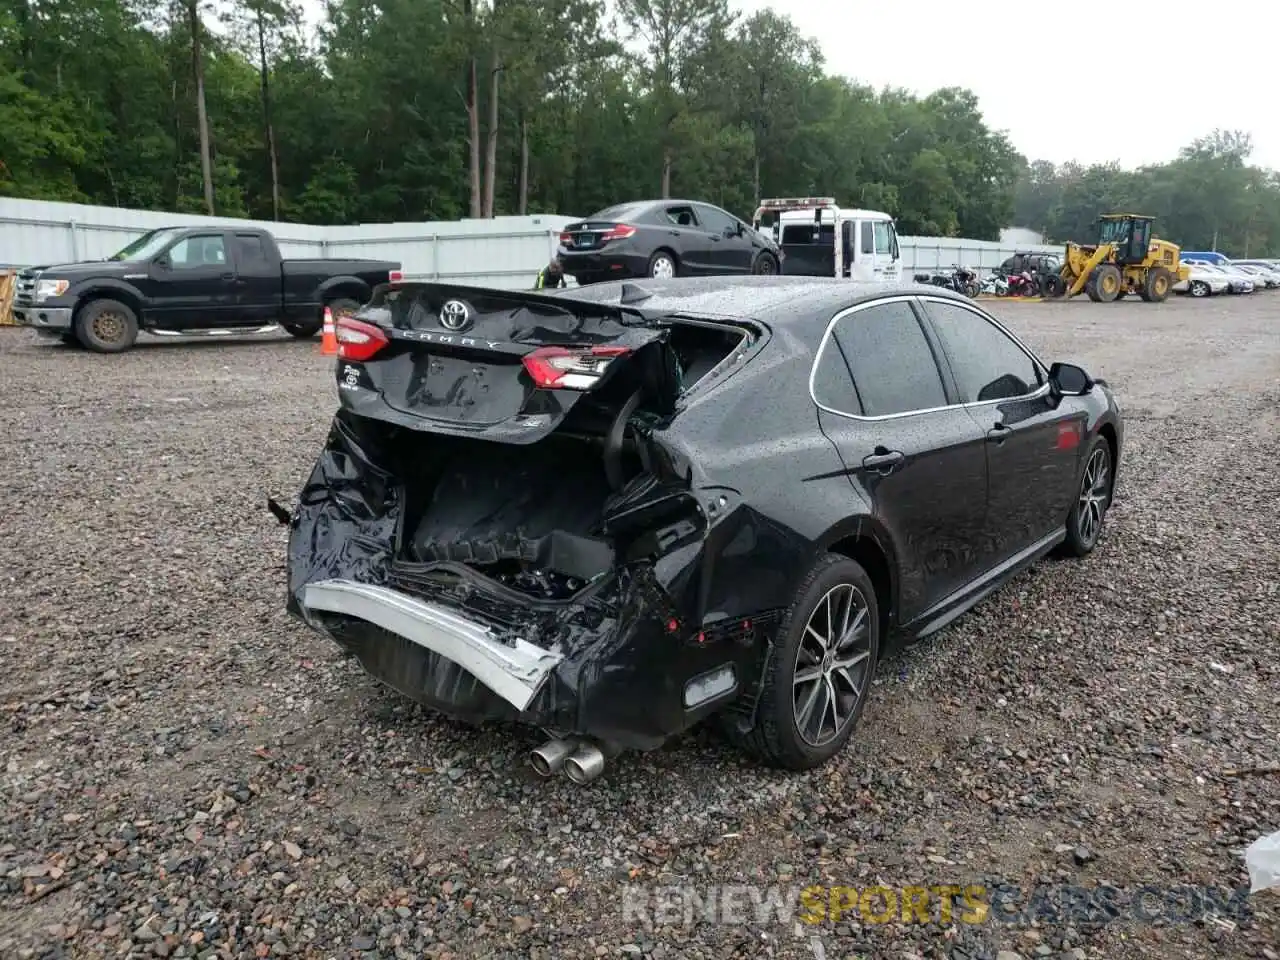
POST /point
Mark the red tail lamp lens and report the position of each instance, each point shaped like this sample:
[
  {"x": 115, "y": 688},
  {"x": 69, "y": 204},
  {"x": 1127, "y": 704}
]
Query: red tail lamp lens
[
  {"x": 570, "y": 368},
  {"x": 619, "y": 231},
  {"x": 358, "y": 340}
]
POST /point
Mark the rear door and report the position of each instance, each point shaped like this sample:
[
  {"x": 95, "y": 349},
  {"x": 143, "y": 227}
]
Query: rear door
[
  {"x": 918, "y": 457},
  {"x": 258, "y": 280},
  {"x": 689, "y": 236},
  {"x": 194, "y": 283},
  {"x": 731, "y": 249},
  {"x": 1033, "y": 440}
]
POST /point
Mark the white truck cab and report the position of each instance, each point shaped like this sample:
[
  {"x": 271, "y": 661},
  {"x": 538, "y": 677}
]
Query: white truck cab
[{"x": 818, "y": 238}]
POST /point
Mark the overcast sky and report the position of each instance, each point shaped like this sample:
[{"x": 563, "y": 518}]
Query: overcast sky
[{"x": 1133, "y": 90}]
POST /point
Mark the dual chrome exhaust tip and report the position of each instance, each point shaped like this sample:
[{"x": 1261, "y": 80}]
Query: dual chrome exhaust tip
[{"x": 580, "y": 760}]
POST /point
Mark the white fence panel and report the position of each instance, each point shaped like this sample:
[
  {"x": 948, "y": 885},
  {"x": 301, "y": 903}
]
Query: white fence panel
[{"x": 921, "y": 254}]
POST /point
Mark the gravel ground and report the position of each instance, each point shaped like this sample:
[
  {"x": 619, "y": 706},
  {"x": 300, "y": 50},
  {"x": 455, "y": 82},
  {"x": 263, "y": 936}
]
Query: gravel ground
[{"x": 188, "y": 773}]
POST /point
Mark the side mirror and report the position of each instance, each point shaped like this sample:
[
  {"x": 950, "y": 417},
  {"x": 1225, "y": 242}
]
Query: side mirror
[
  {"x": 731, "y": 231},
  {"x": 162, "y": 261},
  {"x": 1069, "y": 380}
]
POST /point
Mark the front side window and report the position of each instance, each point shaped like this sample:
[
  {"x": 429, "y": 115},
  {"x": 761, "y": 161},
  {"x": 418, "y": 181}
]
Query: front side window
[
  {"x": 893, "y": 367},
  {"x": 198, "y": 251},
  {"x": 986, "y": 362},
  {"x": 715, "y": 221},
  {"x": 884, "y": 243},
  {"x": 868, "y": 238}
]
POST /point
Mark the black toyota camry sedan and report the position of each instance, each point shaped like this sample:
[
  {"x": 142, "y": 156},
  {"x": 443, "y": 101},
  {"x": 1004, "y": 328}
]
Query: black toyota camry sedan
[{"x": 613, "y": 512}]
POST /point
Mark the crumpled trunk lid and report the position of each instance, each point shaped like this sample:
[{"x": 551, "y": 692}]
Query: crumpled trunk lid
[{"x": 468, "y": 362}]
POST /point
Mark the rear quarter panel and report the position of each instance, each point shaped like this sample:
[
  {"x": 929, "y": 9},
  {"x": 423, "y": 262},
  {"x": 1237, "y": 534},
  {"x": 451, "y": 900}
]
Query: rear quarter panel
[{"x": 755, "y": 440}]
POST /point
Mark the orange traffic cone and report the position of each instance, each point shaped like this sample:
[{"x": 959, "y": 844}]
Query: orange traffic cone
[{"x": 328, "y": 339}]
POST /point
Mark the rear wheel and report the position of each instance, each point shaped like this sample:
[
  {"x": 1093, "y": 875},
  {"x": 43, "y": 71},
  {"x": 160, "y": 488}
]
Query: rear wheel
[
  {"x": 662, "y": 265},
  {"x": 1054, "y": 286},
  {"x": 1107, "y": 282},
  {"x": 1156, "y": 285},
  {"x": 820, "y": 668},
  {"x": 765, "y": 265},
  {"x": 106, "y": 326},
  {"x": 1199, "y": 288}
]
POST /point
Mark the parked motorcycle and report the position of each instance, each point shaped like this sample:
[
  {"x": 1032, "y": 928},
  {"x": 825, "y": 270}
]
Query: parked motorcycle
[
  {"x": 1024, "y": 284},
  {"x": 960, "y": 279},
  {"x": 995, "y": 285}
]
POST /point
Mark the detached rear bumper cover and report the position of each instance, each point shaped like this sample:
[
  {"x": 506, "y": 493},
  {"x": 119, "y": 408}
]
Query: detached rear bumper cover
[{"x": 515, "y": 672}]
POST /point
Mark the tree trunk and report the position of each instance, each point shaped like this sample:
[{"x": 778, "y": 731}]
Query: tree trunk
[
  {"x": 523, "y": 203},
  {"x": 755, "y": 179},
  {"x": 491, "y": 147},
  {"x": 268, "y": 129},
  {"x": 473, "y": 113},
  {"x": 197, "y": 68},
  {"x": 666, "y": 172}
]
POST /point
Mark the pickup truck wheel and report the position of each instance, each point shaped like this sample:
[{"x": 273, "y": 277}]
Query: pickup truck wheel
[
  {"x": 106, "y": 326},
  {"x": 303, "y": 331}
]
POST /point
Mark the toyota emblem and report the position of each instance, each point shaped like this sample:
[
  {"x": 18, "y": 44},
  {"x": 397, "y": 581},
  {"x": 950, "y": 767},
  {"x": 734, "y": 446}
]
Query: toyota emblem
[{"x": 455, "y": 315}]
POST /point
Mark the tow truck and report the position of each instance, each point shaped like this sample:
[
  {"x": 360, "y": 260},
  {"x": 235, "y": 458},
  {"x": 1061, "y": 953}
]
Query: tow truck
[{"x": 819, "y": 238}]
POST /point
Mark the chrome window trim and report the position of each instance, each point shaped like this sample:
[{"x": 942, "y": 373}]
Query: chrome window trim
[{"x": 1042, "y": 390}]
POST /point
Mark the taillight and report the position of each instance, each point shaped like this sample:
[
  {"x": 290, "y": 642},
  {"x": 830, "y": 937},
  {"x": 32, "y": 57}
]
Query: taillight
[
  {"x": 566, "y": 239},
  {"x": 395, "y": 276},
  {"x": 358, "y": 340},
  {"x": 570, "y": 368},
  {"x": 619, "y": 231}
]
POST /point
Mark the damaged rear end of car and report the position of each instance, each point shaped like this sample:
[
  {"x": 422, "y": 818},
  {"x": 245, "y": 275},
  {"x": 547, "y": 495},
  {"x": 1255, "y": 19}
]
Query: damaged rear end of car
[{"x": 507, "y": 522}]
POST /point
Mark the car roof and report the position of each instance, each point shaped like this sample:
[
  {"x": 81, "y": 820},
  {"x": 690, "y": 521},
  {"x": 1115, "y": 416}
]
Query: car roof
[{"x": 770, "y": 299}]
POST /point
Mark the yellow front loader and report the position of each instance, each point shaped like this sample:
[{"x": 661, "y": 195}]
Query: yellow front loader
[{"x": 1126, "y": 259}]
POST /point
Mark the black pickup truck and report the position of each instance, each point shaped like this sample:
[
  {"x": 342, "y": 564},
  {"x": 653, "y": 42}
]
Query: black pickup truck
[{"x": 192, "y": 280}]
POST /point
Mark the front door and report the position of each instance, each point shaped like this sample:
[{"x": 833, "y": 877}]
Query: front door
[
  {"x": 731, "y": 250},
  {"x": 193, "y": 283},
  {"x": 917, "y": 458},
  {"x": 1034, "y": 443}
]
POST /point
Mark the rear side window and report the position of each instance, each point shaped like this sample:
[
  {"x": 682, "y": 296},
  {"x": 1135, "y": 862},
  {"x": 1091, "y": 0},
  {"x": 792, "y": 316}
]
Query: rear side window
[
  {"x": 833, "y": 382},
  {"x": 986, "y": 362},
  {"x": 893, "y": 367},
  {"x": 249, "y": 248}
]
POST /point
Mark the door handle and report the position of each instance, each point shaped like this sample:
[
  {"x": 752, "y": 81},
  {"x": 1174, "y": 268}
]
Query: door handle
[
  {"x": 883, "y": 461},
  {"x": 999, "y": 434},
  {"x": 228, "y": 276}
]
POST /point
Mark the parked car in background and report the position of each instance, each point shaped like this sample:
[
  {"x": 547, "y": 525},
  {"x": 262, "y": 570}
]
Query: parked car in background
[
  {"x": 1267, "y": 274},
  {"x": 1205, "y": 256},
  {"x": 663, "y": 238},
  {"x": 1202, "y": 282},
  {"x": 188, "y": 281},
  {"x": 582, "y": 512},
  {"x": 1237, "y": 282}
]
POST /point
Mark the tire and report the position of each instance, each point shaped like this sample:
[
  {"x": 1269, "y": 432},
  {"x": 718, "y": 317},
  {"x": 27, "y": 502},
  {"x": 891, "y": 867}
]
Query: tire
[
  {"x": 1091, "y": 289},
  {"x": 1199, "y": 289},
  {"x": 765, "y": 265},
  {"x": 776, "y": 739},
  {"x": 342, "y": 306},
  {"x": 106, "y": 326},
  {"x": 1156, "y": 285},
  {"x": 1093, "y": 499},
  {"x": 1107, "y": 282},
  {"x": 1054, "y": 286},
  {"x": 662, "y": 265}
]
